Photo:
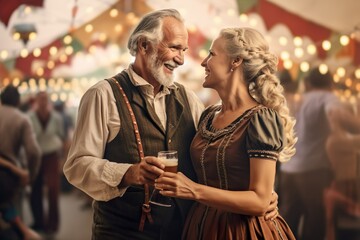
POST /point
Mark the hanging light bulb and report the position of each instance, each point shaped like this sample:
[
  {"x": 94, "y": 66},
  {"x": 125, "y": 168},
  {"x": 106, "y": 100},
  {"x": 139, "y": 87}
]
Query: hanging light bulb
[{"x": 24, "y": 32}]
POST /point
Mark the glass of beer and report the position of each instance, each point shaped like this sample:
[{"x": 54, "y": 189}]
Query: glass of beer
[{"x": 170, "y": 160}]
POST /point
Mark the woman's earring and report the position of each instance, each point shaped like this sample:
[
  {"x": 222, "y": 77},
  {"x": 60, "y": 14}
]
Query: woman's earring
[{"x": 231, "y": 70}]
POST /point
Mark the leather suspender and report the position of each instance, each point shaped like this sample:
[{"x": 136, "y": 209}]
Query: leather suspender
[{"x": 146, "y": 209}]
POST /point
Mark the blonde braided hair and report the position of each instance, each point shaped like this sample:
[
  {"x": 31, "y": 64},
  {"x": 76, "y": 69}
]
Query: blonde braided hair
[{"x": 259, "y": 67}]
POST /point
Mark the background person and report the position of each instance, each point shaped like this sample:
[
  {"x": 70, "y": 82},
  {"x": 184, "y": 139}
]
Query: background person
[
  {"x": 18, "y": 146},
  {"x": 18, "y": 135},
  {"x": 12, "y": 227},
  {"x": 342, "y": 197},
  {"x": 304, "y": 178},
  {"x": 49, "y": 131}
]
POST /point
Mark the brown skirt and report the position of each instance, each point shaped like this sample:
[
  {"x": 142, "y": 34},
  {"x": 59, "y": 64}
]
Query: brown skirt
[{"x": 212, "y": 224}]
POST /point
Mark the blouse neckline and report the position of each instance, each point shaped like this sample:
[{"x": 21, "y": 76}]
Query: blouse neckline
[{"x": 209, "y": 131}]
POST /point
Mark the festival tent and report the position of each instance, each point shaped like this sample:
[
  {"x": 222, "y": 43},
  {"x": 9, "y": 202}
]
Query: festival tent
[{"x": 81, "y": 40}]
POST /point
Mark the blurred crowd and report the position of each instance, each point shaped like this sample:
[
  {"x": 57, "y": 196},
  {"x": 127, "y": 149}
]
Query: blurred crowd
[
  {"x": 35, "y": 137},
  {"x": 319, "y": 187}
]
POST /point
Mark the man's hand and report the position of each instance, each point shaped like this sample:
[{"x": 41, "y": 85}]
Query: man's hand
[
  {"x": 144, "y": 172},
  {"x": 24, "y": 176},
  {"x": 273, "y": 210}
]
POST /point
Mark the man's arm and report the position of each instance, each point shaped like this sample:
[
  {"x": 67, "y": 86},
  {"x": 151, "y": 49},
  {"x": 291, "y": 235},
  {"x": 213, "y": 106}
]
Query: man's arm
[
  {"x": 18, "y": 171},
  {"x": 85, "y": 167}
]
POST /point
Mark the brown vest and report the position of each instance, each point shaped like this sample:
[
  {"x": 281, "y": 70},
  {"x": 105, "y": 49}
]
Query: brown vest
[{"x": 123, "y": 149}]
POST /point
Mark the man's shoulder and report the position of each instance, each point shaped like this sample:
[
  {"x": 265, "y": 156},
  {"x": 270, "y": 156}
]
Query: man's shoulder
[
  {"x": 100, "y": 91},
  {"x": 16, "y": 116},
  {"x": 100, "y": 87},
  {"x": 12, "y": 112}
]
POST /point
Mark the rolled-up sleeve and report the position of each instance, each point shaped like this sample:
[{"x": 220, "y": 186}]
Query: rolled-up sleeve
[{"x": 85, "y": 167}]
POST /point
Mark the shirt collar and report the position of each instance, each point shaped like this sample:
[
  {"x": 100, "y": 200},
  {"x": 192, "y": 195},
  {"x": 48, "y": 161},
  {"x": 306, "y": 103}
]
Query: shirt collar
[{"x": 138, "y": 81}]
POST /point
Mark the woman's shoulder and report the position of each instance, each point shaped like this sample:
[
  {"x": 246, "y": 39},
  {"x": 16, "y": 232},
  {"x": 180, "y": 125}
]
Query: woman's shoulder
[{"x": 265, "y": 113}]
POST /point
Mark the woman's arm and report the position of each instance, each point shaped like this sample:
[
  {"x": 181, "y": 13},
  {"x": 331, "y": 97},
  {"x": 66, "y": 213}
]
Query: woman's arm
[
  {"x": 255, "y": 201},
  {"x": 18, "y": 171}
]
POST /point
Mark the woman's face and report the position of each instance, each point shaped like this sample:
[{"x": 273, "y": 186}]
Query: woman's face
[{"x": 217, "y": 65}]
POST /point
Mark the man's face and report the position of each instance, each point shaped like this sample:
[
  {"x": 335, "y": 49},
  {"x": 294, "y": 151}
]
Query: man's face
[
  {"x": 42, "y": 100},
  {"x": 169, "y": 53}
]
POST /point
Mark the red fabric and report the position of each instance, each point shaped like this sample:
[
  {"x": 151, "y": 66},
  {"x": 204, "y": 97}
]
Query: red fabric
[
  {"x": 25, "y": 64},
  {"x": 8, "y": 7},
  {"x": 273, "y": 15}
]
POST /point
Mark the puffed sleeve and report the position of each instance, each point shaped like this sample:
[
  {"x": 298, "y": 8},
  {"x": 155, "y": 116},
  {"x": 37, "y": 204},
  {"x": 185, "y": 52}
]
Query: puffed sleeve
[{"x": 265, "y": 135}]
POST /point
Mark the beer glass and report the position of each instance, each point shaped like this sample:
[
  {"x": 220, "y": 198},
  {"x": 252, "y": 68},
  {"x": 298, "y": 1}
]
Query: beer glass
[{"x": 170, "y": 160}]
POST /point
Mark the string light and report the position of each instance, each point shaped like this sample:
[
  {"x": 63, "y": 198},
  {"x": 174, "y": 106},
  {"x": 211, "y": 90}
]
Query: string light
[
  {"x": 311, "y": 49},
  {"x": 243, "y": 17},
  {"x": 326, "y": 45},
  {"x": 89, "y": 28},
  {"x": 114, "y": 13},
  {"x": 304, "y": 66},
  {"x": 344, "y": 40},
  {"x": 40, "y": 71},
  {"x": 37, "y": 52},
  {"x": 284, "y": 55},
  {"x": 50, "y": 64},
  {"x": 102, "y": 37},
  {"x": 63, "y": 58},
  {"x": 67, "y": 39},
  {"x": 287, "y": 58},
  {"x": 298, "y": 41},
  {"x": 24, "y": 53},
  {"x": 323, "y": 68},
  {"x": 299, "y": 52},
  {"x": 348, "y": 82},
  {"x": 118, "y": 28},
  {"x": 336, "y": 78},
  {"x": 357, "y": 73},
  {"x": 16, "y": 81},
  {"x": 288, "y": 64},
  {"x": 53, "y": 50},
  {"x": 283, "y": 41},
  {"x": 4, "y": 54},
  {"x": 341, "y": 72},
  {"x": 69, "y": 50}
]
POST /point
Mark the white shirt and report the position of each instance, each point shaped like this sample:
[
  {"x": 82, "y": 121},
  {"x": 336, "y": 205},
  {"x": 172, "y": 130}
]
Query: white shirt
[
  {"x": 98, "y": 123},
  {"x": 51, "y": 138}
]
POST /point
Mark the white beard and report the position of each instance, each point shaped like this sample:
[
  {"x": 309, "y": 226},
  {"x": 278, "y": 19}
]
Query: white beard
[{"x": 156, "y": 70}]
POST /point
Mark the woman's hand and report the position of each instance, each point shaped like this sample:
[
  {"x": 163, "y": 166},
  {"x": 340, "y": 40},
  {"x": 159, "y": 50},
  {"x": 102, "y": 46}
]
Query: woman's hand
[
  {"x": 176, "y": 185},
  {"x": 273, "y": 210}
]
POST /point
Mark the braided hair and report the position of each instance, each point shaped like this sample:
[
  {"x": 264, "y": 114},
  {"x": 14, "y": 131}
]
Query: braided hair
[{"x": 259, "y": 67}]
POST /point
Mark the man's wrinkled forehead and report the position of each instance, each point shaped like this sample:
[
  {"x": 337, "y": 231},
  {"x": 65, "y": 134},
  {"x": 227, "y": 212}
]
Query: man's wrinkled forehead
[{"x": 175, "y": 31}]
